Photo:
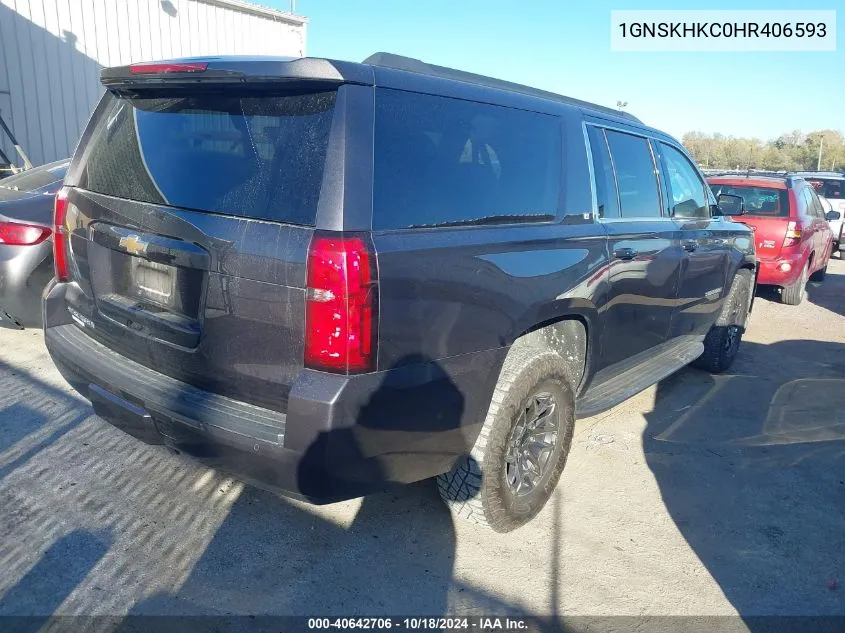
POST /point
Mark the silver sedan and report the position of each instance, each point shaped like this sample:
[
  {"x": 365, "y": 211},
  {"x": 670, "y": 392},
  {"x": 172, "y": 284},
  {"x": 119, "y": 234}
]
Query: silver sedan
[{"x": 26, "y": 257}]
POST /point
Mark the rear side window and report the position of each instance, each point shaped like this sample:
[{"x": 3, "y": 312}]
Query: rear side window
[
  {"x": 447, "y": 162},
  {"x": 814, "y": 207},
  {"x": 636, "y": 177},
  {"x": 832, "y": 189},
  {"x": 260, "y": 157},
  {"x": 806, "y": 204},
  {"x": 759, "y": 201}
]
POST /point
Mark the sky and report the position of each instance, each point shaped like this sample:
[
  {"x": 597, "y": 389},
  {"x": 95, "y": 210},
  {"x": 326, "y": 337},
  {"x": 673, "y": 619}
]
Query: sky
[{"x": 564, "y": 46}]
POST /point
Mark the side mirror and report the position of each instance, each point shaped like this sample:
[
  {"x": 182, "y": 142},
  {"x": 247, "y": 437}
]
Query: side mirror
[
  {"x": 729, "y": 204},
  {"x": 832, "y": 215}
]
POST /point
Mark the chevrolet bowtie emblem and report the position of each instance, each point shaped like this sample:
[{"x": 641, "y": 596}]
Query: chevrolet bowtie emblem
[{"x": 133, "y": 245}]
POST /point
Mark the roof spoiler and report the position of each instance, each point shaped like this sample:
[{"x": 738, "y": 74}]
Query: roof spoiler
[{"x": 239, "y": 70}]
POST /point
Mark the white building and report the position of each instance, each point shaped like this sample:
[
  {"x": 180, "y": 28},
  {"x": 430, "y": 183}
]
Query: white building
[{"x": 52, "y": 51}]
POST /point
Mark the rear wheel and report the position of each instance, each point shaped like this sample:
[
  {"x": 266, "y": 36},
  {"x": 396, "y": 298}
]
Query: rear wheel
[
  {"x": 793, "y": 294},
  {"x": 521, "y": 450},
  {"x": 821, "y": 273},
  {"x": 722, "y": 341}
]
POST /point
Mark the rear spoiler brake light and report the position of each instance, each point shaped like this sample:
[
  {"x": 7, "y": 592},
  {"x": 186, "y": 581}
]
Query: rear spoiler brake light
[{"x": 157, "y": 68}]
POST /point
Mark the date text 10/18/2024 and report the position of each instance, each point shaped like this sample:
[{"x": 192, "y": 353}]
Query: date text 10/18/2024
[{"x": 478, "y": 623}]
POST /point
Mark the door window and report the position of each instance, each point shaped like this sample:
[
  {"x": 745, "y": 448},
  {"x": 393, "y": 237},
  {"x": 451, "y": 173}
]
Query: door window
[
  {"x": 607, "y": 198},
  {"x": 686, "y": 189},
  {"x": 636, "y": 177}
]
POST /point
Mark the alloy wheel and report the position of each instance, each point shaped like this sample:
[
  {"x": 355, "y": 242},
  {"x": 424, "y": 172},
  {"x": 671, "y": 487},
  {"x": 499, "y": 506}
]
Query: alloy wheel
[{"x": 531, "y": 444}]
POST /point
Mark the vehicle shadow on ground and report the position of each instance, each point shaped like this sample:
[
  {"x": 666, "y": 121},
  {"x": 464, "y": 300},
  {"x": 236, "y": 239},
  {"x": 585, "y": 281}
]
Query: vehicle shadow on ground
[
  {"x": 825, "y": 294},
  {"x": 392, "y": 555},
  {"x": 751, "y": 467},
  {"x": 828, "y": 294},
  {"x": 56, "y": 574},
  {"x": 36, "y": 417}
]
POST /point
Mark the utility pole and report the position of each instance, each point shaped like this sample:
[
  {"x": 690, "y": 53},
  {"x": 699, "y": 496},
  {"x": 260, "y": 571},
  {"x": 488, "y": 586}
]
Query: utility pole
[{"x": 821, "y": 144}]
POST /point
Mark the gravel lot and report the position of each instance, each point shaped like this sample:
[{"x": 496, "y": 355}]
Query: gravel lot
[{"x": 701, "y": 496}]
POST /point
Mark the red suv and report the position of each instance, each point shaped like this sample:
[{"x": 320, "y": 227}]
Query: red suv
[{"x": 793, "y": 240}]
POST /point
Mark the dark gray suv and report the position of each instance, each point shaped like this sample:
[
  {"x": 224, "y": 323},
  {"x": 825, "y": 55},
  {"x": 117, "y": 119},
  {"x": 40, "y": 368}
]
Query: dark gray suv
[{"x": 331, "y": 277}]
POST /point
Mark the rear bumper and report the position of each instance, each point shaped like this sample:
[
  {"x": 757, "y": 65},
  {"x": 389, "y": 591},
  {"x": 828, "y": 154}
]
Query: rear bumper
[
  {"x": 341, "y": 437},
  {"x": 24, "y": 272},
  {"x": 772, "y": 273}
]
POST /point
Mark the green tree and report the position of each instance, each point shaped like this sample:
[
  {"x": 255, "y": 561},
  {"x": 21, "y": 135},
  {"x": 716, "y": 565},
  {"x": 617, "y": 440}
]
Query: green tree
[{"x": 790, "y": 151}]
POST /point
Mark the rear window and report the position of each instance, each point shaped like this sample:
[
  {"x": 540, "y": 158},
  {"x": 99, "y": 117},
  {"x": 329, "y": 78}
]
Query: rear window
[
  {"x": 260, "y": 157},
  {"x": 447, "y": 162},
  {"x": 759, "y": 201},
  {"x": 828, "y": 188}
]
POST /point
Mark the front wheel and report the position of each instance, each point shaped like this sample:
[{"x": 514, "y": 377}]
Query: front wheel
[{"x": 516, "y": 461}]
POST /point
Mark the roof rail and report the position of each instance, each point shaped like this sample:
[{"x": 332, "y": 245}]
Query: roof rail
[
  {"x": 409, "y": 64},
  {"x": 749, "y": 173},
  {"x": 819, "y": 174}
]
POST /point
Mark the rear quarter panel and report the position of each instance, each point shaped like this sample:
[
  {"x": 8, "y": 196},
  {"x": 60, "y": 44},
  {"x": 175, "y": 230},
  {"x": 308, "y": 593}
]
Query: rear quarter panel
[{"x": 449, "y": 292}]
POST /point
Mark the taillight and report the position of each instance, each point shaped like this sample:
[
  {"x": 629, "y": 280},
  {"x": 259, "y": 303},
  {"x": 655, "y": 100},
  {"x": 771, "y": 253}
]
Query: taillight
[
  {"x": 793, "y": 234},
  {"x": 155, "y": 68},
  {"x": 60, "y": 236},
  {"x": 15, "y": 234},
  {"x": 340, "y": 309}
]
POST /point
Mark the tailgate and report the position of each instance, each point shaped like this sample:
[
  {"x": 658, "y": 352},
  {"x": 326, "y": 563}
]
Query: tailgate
[
  {"x": 190, "y": 221},
  {"x": 769, "y": 234},
  {"x": 766, "y": 212}
]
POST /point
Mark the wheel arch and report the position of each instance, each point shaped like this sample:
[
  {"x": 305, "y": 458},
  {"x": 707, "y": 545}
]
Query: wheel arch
[
  {"x": 572, "y": 334},
  {"x": 754, "y": 267}
]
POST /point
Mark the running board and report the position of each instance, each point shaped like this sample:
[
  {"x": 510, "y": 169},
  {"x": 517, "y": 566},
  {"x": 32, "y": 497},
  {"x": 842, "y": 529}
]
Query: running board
[{"x": 638, "y": 376}]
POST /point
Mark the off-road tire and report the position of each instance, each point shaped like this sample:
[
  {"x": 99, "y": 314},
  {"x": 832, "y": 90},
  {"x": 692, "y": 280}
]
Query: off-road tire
[
  {"x": 476, "y": 488},
  {"x": 722, "y": 341},
  {"x": 793, "y": 294}
]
